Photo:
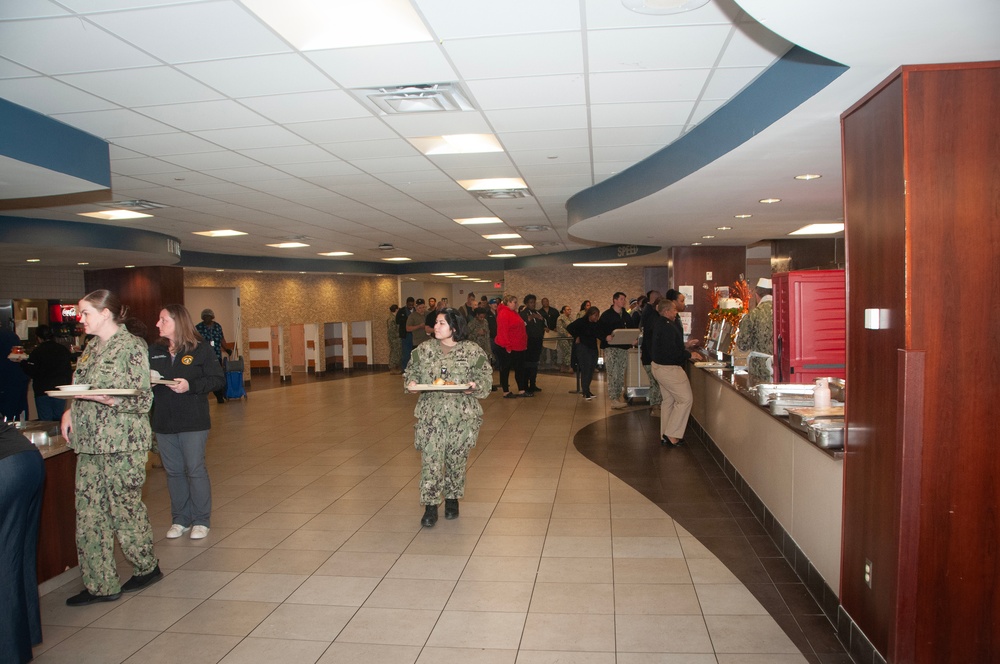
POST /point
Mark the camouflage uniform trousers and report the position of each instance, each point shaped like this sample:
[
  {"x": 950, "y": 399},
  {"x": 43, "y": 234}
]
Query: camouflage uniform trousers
[
  {"x": 615, "y": 364},
  {"x": 654, "y": 396},
  {"x": 395, "y": 353},
  {"x": 109, "y": 504},
  {"x": 444, "y": 455}
]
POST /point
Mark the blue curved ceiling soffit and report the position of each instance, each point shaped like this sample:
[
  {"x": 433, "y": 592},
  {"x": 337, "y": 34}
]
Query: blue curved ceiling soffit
[
  {"x": 74, "y": 234},
  {"x": 793, "y": 79}
]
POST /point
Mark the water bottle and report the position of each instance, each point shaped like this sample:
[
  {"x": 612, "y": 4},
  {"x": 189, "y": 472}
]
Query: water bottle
[{"x": 821, "y": 394}]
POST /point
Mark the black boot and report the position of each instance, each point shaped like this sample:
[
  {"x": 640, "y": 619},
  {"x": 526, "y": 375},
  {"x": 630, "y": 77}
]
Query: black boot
[
  {"x": 430, "y": 516},
  {"x": 451, "y": 508},
  {"x": 140, "y": 581}
]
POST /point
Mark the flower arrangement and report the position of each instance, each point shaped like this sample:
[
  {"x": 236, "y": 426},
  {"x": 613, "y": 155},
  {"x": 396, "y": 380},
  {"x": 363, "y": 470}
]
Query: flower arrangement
[{"x": 740, "y": 290}]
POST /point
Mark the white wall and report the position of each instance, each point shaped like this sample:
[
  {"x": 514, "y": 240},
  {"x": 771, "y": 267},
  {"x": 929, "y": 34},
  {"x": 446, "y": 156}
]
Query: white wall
[{"x": 220, "y": 300}]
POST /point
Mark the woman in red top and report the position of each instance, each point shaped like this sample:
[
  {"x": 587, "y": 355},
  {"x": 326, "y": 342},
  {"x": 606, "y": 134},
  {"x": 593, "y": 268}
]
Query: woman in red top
[{"x": 512, "y": 343}]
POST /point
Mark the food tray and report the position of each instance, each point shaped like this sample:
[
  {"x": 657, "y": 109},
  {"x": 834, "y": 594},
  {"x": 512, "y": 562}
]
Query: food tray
[
  {"x": 461, "y": 387},
  {"x": 163, "y": 381},
  {"x": 803, "y": 417},
  {"x": 828, "y": 434},
  {"x": 69, "y": 394},
  {"x": 711, "y": 365},
  {"x": 782, "y": 391}
]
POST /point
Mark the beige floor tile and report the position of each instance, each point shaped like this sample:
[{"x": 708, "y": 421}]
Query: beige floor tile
[
  {"x": 174, "y": 557},
  {"x": 728, "y": 599},
  {"x": 509, "y": 596},
  {"x": 224, "y": 618},
  {"x": 710, "y": 570},
  {"x": 304, "y": 622},
  {"x": 637, "y": 511},
  {"x": 196, "y": 649},
  {"x": 411, "y": 566},
  {"x": 342, "y": 506},
  {"x": 482, "y": 629},
  {"x": 583, "y": 496},
  {"x": 580, "y": 528},
  {"x": 573, "y": 598},
  {"x": 501, "y": 568},
  {"x": 268, "y": 651},
  {"x": 643, "y": 528},
  {"x": 91, "y": 645},
  {"x": 411, "y": 594},
  {"x": 194, "y": 584},
  {"x": 748, "y": 634},
  {"x": 289, "y": 561},
  {"x": 53, "y": 635},
  {"x": 577, "y": 547},
  {"x": 523, "y": 510},
  {"x": 647, "y": 547},
  {"x": 255, "y": 538},
  {"x": 466, "y": 656},
  {"x": 218, "y": 559},
  {"x": 663, "y": 634},
  {"x": 656, "y": 599},
  {"x": 369, "y": 653},
  {"x": 580, "y": 511},
  {"x": 528, "y": 495},
  {"x": 357, "y": 563},
  {"x": 390, "y": 523},
  {"x": 564, "y": 657},
  {"x": 770, "y": 658},
  {"x": 55, "y": 612},
  {"x": 516, "y": 526},
  {"x": 403, "y": 627},
  {"x": 575, "y": 570},
  {"x": 315, "y": 540},
  {"x": 334, "y": 590},
  {"x": 271, "y": 520},
  {"x": 694, "y": 549},
  {"x": 147, "y": 613},
  {"x": 345, "y": 522},
  {"x": 670, "y": 658},
  {"x": 378, "y": 542},
  {"x": 651, "y": 570},
  {"x": 571, "y": 632},
  {"x": 255, "y": 587},
  {"x": 509, "y": 545}
]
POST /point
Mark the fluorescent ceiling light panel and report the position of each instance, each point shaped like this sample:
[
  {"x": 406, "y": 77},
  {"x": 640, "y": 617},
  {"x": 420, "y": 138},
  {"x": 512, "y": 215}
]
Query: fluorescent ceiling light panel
[
  {"x": 457, "y": 276},
  {"x": 442, "y": 274},
  {"x": 475, "y": 221},
  {"x": 115, "y": 215},
  {"x": 312, "y": 25},
  {"x": 288, "y": 245},
  {"x": 456, "y": 144},
  {"x": 336, "y": 253},
  {"x": 221, "y": 233},
  {"x": 818, "y": 229},
  {"x": 502, "y": 255},
  {"x": 396, "y": 258},
  {"x": 502, "y": 236},
  {"x": 485, "y": 184},
  {"x": 600, "y": 264},
  {"x": 517, "y": 246}
]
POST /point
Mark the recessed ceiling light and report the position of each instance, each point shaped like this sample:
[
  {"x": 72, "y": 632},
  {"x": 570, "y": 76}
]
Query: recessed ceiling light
[
  {"x": 475, "y": 221},
  {"x": 457, "y": 276},
  {"x": 336, "y": 253},
  {"x": 808, "y": 176},
  {"x": 517, "y": 246},
  {"x": 288, "y": 245},
  {"x": 696, "y": 244},
  {"x": 471, "y": 279},
  {"x": 456, "y": 144},
  {"x": 769, "y": 200},
  {"x": 493, "y": 183},
  {"x": 130, "y": 266},
  {"x": 502, "y": 236},
  {"x": 84, "y": 263},
  {"x": 502, "y": 255},
  {"x": 396, "y": 258},
  {"x": 818, "y": 229},
  {"x": 115, "y": 215},
  {"x": 301, "y": 272},
  {"x": 599, "y": 264},
  {"x": 222, "y": 233},
  {"x": 442, "y": 274},
  {"x": 311, "y": 25},
  {"x": 220, "y": 270},
  {"x": 742, "y": 216},
  {"x": 33, "y": 260},
  {"x": 534, "y": 228},
  {"x": 723, "y": 228},
  {"x": 707, "y": 237}
]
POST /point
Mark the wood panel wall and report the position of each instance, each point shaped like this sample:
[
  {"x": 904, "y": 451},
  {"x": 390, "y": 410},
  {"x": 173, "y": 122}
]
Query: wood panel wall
[
  {"x": 144, "y": 290},
  {"x": 921, "y": 488},
  {"x": 688, "y": 266}
]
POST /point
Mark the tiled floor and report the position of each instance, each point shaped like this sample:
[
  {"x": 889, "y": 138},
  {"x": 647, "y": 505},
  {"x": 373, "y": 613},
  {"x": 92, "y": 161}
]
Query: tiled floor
[{"x": 581, "y": 540}]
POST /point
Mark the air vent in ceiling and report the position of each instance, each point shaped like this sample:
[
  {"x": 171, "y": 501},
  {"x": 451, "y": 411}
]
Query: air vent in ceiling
[
  {"x": 533, "y": 228},
  {"x": 419, "y": 98},
  {"x": 133, "y": 205},
  {"x": 501, "y": 194},
  {"x": 386, "y": 246}
]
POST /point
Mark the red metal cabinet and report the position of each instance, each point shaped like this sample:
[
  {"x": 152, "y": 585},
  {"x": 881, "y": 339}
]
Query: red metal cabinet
[{"x": 810, "y": 308}]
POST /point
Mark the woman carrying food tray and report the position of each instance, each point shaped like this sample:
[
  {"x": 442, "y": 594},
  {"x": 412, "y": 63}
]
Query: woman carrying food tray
[{"x": 448, "y": 421}]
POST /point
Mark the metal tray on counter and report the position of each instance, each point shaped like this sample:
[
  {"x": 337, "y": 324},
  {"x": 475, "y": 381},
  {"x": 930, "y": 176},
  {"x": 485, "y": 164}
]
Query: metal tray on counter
[
  {"x": 828, "y": 434},
  {"x": 766, "y": 391},
  {"x": 801, "y": 418}
]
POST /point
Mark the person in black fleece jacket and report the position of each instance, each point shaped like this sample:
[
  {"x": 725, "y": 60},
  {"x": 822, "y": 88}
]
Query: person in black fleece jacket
[{"x": 180, "y": 417}]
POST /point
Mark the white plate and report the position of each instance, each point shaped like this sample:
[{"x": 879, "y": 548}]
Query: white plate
[
  {"x": 461, "y": 387},
  {"x": 83, "y": 387}
]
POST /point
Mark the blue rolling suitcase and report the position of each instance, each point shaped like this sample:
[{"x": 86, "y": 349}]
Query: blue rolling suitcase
[{"x": 234, "y": 379}]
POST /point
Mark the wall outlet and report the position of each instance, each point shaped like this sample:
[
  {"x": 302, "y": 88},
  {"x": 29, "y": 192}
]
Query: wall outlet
[{"x": 868, "y": 573}]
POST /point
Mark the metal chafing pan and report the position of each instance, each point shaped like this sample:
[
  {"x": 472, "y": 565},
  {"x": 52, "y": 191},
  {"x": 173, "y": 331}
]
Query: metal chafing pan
[
  {"x": 828, "y": 434},
  {"x": 780, "y": 404},
  {"x": 801, "y": 418},
  {"x": 765, "y": 391}
]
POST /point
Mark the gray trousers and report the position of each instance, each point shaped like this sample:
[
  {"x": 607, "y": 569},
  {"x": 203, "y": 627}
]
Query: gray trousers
[{"x": 183, "y": 456}]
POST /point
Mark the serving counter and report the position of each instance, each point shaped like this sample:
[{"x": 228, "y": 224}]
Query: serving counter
[{"x": 794, "y": 487}]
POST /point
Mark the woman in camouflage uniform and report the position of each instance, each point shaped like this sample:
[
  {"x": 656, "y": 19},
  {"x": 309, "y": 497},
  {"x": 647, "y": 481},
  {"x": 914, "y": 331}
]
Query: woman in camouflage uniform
[
  {"x": 447, "y": 422},
  {"x": 111, "y": 437},
  {"x": 564, "y": 348},
  {"x": 479, "y": 331}
]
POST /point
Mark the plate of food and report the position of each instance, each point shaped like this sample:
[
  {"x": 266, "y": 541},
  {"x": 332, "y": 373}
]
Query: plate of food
[
  {"x": 79, "y": 387},
  {"x": 440, "y": 387},
  {"x": 62, "y": 393}
]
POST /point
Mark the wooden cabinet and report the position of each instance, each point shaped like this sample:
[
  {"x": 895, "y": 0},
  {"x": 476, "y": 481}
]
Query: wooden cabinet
[{"x": 921, "y": 496}]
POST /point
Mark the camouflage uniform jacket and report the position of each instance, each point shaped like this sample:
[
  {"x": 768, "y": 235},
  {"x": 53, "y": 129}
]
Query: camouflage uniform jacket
[
  {"x": 121, "y": 362},
  {"x": 465, "y": 363},
  {"x": 479, "y": 331},
  {"x": 757, "y": 329}
]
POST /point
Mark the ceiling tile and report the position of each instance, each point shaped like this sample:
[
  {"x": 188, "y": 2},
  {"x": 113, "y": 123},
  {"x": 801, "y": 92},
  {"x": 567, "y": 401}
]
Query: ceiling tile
[
  {"x": 196, "y": 116},
  {"x": 530, "y": 91},
  {"x": 522, "y": 55},
  {"x": 372, "y": 149},
  {"x": 338, "y": 131},
  {"x": 147, "y": 86},
  {"x": 604, "y": 14},
  {"x": 142, "y": 166},
  {"x": 81, "y": 46},
  {"x": 564, "y": 156},
  {"x": 543, "y": 140},
  {"x": 248, "y": 174},
  {"x": 30, "y": 9},
  {"x": 725, "y": 83},
  {"x": 389, "y": 65},
  {"x": 114, "y": 123},
  {"x": 241, "y": 138},
  {"x": 191, "y": 32},
  {"x": 706, "y": 108},
  {"x": 633, "y": 153},
  {"x": 652, "y": 113},
  {"x": 48, "y": 96},
  {"x": 308, "y": 106},
  {"x": 10, "y": 69},
  {"x": 517, "y": 17},
  {"x": 161, "y": 145},
  {"x": 333, "y": 167},
  {"x": 413, "y": 125},
  {"x": 208, "y": 160},
  {"x": 551, "y": 117},
  {"x": 753, "y": 45},
  {"x": 483, "y": 160},
  {"x": 655, "y": 48},
  {"x": 663, "y": 85},
  {"x": 661, "y": 135},
  {"x": 260, "y": 75},
  {"x": 289, "y": 154}
]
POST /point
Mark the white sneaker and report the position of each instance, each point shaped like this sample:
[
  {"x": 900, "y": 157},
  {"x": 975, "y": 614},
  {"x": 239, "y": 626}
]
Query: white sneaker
[
  {"x": 199, "y": 532},
  {"x": 177, "y": 530}
]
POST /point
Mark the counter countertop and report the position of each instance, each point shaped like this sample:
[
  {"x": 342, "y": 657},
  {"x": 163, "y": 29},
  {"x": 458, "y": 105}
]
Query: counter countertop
[{"x": 745, "y": 386}]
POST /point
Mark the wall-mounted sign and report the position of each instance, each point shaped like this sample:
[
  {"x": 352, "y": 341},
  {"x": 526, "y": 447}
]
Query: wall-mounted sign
[{"x": 627, "y": 250}]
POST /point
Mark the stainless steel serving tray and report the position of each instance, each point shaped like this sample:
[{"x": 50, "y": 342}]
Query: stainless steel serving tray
[
  {"x": 828, "y": 434},
  {"x": 765, "y": 391}
]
